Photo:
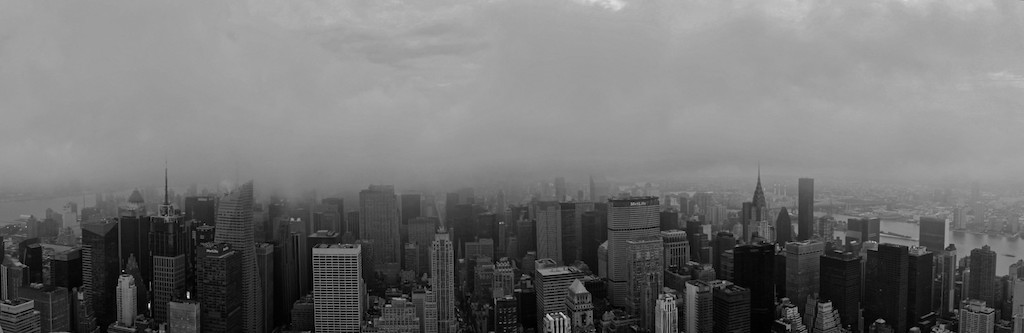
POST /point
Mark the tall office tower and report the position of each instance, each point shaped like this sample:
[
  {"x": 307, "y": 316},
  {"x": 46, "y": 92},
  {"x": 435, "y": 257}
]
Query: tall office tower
[
  {"x": 442, "y": 280},
  {"x": 52, "y": 304},
  {"x": 1018, "y": 297},
  {"x": 549, "y": 229},
  {"x": 825, "y": 228},
  {"x": 504, "y": 277},
  {"x": 219, "y": 287},
  {"x": 19, "y": 316},
  {"x": 12, "y": 275},
  {"x": 183, "y": 316},
  {"x": 759, "y": 209},
  {"x": 724, "y": 241},
  {"x": 933, "y": 233},
  {"x": 557, "y": 323},
  {"x": 805, "y": 208},
  {"x": 746, "y": 219},
  {"x": 201, "y": 208},
  {"x": 526, "y": 237},
  {"x": 783, "y": 227},
  {"x": 421, "y": 232},
  {"x": 552, "y": 282},
  {"x": 506, "y": 318},
  {"x": 668, "y": 220},
  {"x": 840, "y": 284},
  {"x": 677, "y": 248},
  {"x": 789, "y": 318},
  {"x": 579, "y": 305},
  {"x": 30, "y": 253},
  {"x": 919, "y": 287},
  {"x": 83, "y": 320},
  {"x": 628, "y": 218},
  {"x": 379, "y": 221},
  {"x": 666, "y": 314},
  {"x": 754, "y": 269},
  {"x": 947, "y": 275},
  {"x": 863, "y": 230},
  {"x": 571, "y": 233},
  {"x": 560, "y": 189},
  {"x": 484, "y": 247},
  {"x": 590, "y": 243},
  {"x": 960, "y": 218},
  {"x": 886, "y": 287},
  {"x": 339, "y": 205},
  {"x": 133, "y": 230},
  {"x": 100, "y": 268},
  {"x": 337, "y": 288},
  {"x": 976, "y": 317},
  {"x": 731, "y": 308},
  {"x": 822, "y": 317},
  {"x": 983, "y": 275},
  {"x": 302, "y": 317},
  {"x": 411, "y": 208},
  {"x": 126, "y": 300},
  {"x": 66, "y": 268},
  {"x": 235, "y": 227},
  {"x": 803, "y": 266},
  {"x": 265, "y": 268},
  {"x": 646, "y": 271},
  {"x": 168, "y": 242},
  {"x": 697, "y": 308},
  {"x": 702, "y": 202}
]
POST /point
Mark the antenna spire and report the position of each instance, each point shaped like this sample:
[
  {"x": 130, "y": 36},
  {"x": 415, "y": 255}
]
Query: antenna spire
[
  {"x": 759, "y": 171},
  {"x": 166, "y": 190}
]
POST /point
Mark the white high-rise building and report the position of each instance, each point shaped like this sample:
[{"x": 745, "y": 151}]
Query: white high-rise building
[
  {"x": 442, "y": 280},
  {"x": 666, "y": 315},
  {"x": 503, "y": 283},
  {"x": 975, "y": 317},
  {"x": 557, "y": 322},
  {"x": 126, "y": 302},
  {"x": 337, "y": 288}
]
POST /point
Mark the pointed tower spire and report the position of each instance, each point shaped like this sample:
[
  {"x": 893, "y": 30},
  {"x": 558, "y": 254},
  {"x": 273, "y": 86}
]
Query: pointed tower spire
[{"x": 166, "y": 191}]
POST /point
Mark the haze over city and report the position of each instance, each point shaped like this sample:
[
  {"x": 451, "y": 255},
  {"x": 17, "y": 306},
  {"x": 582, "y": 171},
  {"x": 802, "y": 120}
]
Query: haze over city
[{"x": 451, "y": 92}]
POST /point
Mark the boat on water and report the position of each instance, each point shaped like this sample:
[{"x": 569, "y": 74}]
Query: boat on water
[{"x": 1009, "y": 255}]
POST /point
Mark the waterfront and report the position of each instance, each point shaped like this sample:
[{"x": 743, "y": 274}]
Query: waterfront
[{"x": 964, "y": 241}]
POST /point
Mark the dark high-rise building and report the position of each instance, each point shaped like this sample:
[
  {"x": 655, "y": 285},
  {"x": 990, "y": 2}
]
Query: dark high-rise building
[
  {"x": 805, "y": 208},
  {"x": 724, "y": 241},
  {"x": 235, "y": 227},
  {"x": 31, "y": 254},
  {"x": 52, "y": 304},
  {"x": 379, "y": 221},
  {"x": 886, "y": 287},
  {"x": 411, "y": 208},
  {"x": 919, "y": 286},
  {"x": 202, "y": 209},
  {"x": 339, "y": 204},
  {"x": 133, "y": 232},
  {"x": 754, "y": 266},
  {"x": 526, "y": 237},
  {"x": 731, "y": 309},
  {"x": 840, "y": 284},
  {"x": 352, "y": 224},
  {"x": 66, "y": 268},
  {"x": 783, "y": 227},
  {"x": 863, "y": 230},
  {"x": 589, "y": 243},
  {"x": 983, "y": 275},
  {"x": 571, "y": 233},
  {"x": 168, "y": 242},
  {"x": 100, "y": 268},
  {"x": 668, "y": 220},
  {"x": 933, "y": 233},
  {"x": 265, "y": 268},
  {"x": 946, "y": 294},
  {"x": 803, "y": 267},
  {"x": 219, "y": 284}
]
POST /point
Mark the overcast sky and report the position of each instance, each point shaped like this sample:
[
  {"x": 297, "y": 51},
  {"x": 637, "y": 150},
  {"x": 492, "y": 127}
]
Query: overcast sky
[{"x": 376, "y": 91}]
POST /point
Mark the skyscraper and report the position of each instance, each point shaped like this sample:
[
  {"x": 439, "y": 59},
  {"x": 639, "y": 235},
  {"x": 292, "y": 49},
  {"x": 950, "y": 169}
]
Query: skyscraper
[
  {"x": 552, "y": 282},
  {"x": 754, "y": 269},
  {"x": 677, "y": 248},
  {"x": 337, "y": 288},
  {"x": 919, "y": 286},
  {"x": 863, "y": 230},
  {"x": 265, "y": 269},
  {"x": 983, "y": 275},
  {"x": 698, "y": 316},
  {"x": 886, "y": 287},
  {"x": 549, "y": 229},
  {"x": 442, "y": 280},
  {"x": 571, "y": 233},
  {"x": 731, "y": 309},
  {"x": 183, "y": 316},
  {"x": 219, "y": 287},
  {"x": 976, "y": 317},
  {"x": 822, "y": 317},
  {"x": 411, "y": 208},
  {"x": 646, "y": 271},
  {"x": 579, "y": 306},
  {"x": 19, "y": 316},
  {"x": 100, "y": 268},
  {"x": 758, "y": 212},
  {"x": 724, "y": 241},
  {"x": 840, "y": 284},
  {"x": 666, "y": 314},
  {"x": 379, "y": 221},
  {"x": 803, "y": 262},
  {"x": 52, "y": 304},
  {"x": 235, "y": 227},
  {"x": 947, "y": 277},
  {"x": 805, "y": 208},
  {"x": 126, "y": 301},
  {"x": 783, "y": 227},
  {"x": 168, "y": 242},
  {"x": 933, "y": 233},
  {"x": 628, "y": 218}
]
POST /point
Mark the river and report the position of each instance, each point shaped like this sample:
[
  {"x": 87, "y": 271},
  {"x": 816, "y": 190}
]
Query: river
[{"x": 965, "y": 242}]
